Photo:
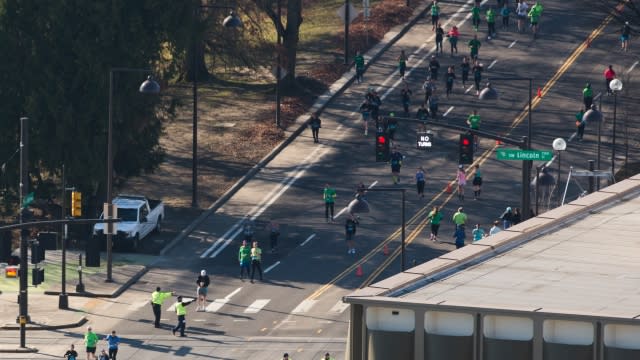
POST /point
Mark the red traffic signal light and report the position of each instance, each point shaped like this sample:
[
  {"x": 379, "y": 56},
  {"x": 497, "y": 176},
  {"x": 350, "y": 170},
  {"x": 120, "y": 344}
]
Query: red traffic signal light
[
  {"x": 465, "y": 142},
  {"x": 381, "y": 139}
]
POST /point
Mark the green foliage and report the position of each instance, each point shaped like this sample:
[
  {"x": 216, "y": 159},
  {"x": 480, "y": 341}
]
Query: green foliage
[{"x": 56, "y": 61}]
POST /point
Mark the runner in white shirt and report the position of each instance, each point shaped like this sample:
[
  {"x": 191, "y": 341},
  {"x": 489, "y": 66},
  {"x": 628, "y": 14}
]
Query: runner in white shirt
[{"x": 521, "y": 12}]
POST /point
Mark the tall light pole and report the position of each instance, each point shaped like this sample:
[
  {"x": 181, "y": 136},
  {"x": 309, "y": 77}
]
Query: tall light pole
[
  {"x": 615, "y": 85},
  {"x": 559, "y": 145},
  {"x": 488, "y": 93},
  {"x": 278, "y": 63},
  {"x": 590, "y": 116},
  {"x": 149, "y": 86},
  {"x": 230, "y": 21},
  {"x": 23, "y": 316}
]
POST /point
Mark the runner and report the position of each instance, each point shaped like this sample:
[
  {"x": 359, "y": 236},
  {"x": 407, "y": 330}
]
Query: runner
[
  {"x": 477, "y": 75},
  {"x": 420, "y": 181},
  {"x": 587, "y": 96},
  {"x": 392, "y": 125},
  {"x": 461, "y": 179},
  {"x": 374, "y": 102},
  {"x": 609, "y": 75},
  {"x": 465, "y": 70},
  {"x": 350, "y": 231},
  {"x": 477, "y": 182},
  {"x": 422, "y": 113},
  {"x": 474, "y": 47},
  {"x": 491, "y": 23},
  {"x": 475, "y": 16},
  {"x": 434, "y": 67},
  {"x": 329, "y": 197},
  {"x": 474, "y": 124},
  {"x": 580, "y": 124},
  {"x": 505, "y": 12},
  {"x": 439, "y": 38},
  {"x": 534, "y": 16},
  {"x": 429, "y": 87},
  {"x": 624, "y": 36},
  {"x": 365, "y": 110},
  {"x": 435, "y": 15},
  {"x": 396, "y": 164},
  {"x": 521, "y": 11},
  {"x": 402, "y": 63},
  {"x": 451, "y": 76},
  {"x": 453, "y": 36},
  {"x": 315, "y": 124},
  {"x": 433, "y": 105},
  {"x": 435, "y": 216},
  {"x": 358, "y": 60},
  {"x": 406, "y": 93}
]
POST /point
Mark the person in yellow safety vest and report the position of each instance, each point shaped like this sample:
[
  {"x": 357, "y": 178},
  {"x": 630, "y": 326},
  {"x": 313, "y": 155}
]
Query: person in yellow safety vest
[
  {"x": 181, "y": 311},
  {"x": 157, "y": 298},
  {"x": 286, "y": 357},
  {"x": 327, "y": 357}
]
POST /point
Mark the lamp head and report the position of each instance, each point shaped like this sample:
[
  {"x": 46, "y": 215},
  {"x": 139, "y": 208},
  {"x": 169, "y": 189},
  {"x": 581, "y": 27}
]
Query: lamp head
[
  {"x": 232, "y": 21},
  {"x": 150, "y": 86}
]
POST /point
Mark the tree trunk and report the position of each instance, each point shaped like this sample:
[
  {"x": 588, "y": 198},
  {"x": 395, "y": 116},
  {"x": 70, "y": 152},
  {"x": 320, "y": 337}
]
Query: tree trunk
[
  {"x": 199, "y": 64},
  {"x": 290, "y": 40}
]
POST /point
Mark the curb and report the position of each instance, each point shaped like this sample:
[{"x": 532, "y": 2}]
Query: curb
[
  {"x": 19, "y": 350},
  {"x": 115, "y": 294},
  {"x": 346, "y": 80},
  {"x": 35, "y": 327}
]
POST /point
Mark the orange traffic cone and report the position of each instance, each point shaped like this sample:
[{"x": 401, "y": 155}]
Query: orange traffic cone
[
  {"x": 359, "y": 271},
  {"x": 539, "y": 93},
  {"x": 385, "y": 250},
  {"x": 449, "y": 190}
]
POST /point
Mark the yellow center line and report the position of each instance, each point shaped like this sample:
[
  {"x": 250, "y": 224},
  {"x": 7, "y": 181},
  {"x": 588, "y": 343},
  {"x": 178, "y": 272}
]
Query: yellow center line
[{"x": 534, "y": 103}]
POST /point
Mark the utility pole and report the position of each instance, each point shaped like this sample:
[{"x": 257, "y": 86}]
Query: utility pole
[{"x": 24, "y": 233}]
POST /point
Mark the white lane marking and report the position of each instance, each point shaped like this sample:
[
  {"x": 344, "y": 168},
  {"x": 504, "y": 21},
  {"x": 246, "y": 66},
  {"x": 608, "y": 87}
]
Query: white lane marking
[
  {"x": 513, "y": 43},
  {"x": 240, "y": 320},
  {"x": 339, "y": 127},
  {"x": 233, "y": 293},
  {"x": 271, "y": 267},
  {"x": 339, "y": 307},
  {"x": 304, "y": 306},
  {"x": 632, "y": 67},
  {"x": 492, "y": 63},
  {"x": 199, "y": 320},
  {"x": 573, "y": 136},
  {"x": 256, "y": 306},
  {"x": 283, "y": 186},
  {"x": 352, "y": 113},
  {"x": 216, "y": 305},
  {"x": 448, "y": 111},
  {"x": 469, "y": 89},
  {"x": 597, "y": 96},
  {"x": 346, "y": 207},
  {"x": 308, "y": 239},
  {"x": 173, "y": 306},
  {"x": 417, "y": 65},
  {"x": 373, "y": 184}
]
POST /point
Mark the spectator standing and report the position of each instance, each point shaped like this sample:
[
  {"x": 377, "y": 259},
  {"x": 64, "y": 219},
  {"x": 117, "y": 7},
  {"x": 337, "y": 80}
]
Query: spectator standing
[
  {"x": 477, "y": 233},
  {"x": 157, "y": 298},
  {"x": 625, "y": 32},
  {"x": 286, "y": 357},
  {"x": 517, "y": 216},
  {"x": 420, "y": 181},
  {"x": 244, "y": 258},
  {"x": 477, "y": 182},
  {"x": 256, "y": 260},
  {"x": 609, "y": 75},
  {"x": 495, "y": 228},
  {"x": 459, "y": 218},
  {"x": 71, "y": 354},
  {"x": 507, "y": 218},
  {"x": 315, "y": 124},
  {"x": 587, "y": 96},
  {"x": 580, "y": 124},
  {"x": 274, "y": 233},
  {"x": 181, "y": 312},
  {"x": 114, "y": 341},
  {"x": 439, "y": 38},
  {"x": 358, "y": 61},
  {"x": 453, "y": 35},
  {"x": 435, "y": 216},
  {"x": 203, "y": 286},
  {"x": 90, "y": 342},
  {"x": 459, "y": 235},
  {"x": 350, "y": 232},
  {"x": 461, "y": 179},
  {"x": 329, "y": 196}
]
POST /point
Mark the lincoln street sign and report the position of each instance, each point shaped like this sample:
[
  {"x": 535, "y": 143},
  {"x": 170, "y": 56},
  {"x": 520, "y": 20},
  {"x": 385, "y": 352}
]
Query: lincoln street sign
[{"x": 517, "y": 154}]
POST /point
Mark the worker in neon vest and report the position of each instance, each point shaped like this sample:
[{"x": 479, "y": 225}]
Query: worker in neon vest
[
  {"x": 157, "y": 298},
  {"x": 181, "y": 311}
]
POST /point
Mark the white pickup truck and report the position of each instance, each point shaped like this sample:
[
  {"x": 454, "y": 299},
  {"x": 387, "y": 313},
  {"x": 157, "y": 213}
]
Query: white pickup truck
[{"x": 140, "y": 217}]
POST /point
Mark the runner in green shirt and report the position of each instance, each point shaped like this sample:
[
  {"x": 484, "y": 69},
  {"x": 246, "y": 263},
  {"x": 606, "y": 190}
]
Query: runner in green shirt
[
  {"x": 90, "y": 341},
  {"x": 329, "y": 196},
  {"x": 534, "y": 16},
  {"x": 435, "y": 15},
  {"x": 474, "y": 120},
  {"x": 358, "y": 60},
  {"x": 475, "y": 17},
  {"x": 491, "y": 23},
  {"x": 459, "y": 218},
  {"x": 474, "y": 47},
  {"x": 244, "y": 258},
  {"x": 435, "y": 216}
]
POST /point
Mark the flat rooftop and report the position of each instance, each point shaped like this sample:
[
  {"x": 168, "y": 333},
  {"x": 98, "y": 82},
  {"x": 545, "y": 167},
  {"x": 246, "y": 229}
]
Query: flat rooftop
[{"x": 582, "y": 258}]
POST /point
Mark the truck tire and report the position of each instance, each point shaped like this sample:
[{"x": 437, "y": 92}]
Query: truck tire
[
  {"x": 135, "y": 243},
  {"x": 158, "y": 225}
]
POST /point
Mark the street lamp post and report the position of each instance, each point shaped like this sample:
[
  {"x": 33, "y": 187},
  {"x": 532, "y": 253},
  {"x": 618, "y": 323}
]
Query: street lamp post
[
  {"x": 230, "y": 21},
  {"x": 488, "y": 93},
  {"x": 590, "y": 116},
  {"x": 559, "y": 145},
  {"x": 615, "y": 85},
  {"x": 278, "y": 65},
  {"x": 23, "y": 315},
  {"x": 149, "y": 86}
]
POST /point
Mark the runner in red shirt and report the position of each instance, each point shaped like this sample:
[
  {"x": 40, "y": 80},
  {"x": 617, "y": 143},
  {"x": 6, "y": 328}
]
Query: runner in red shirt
[{"x": 609, "y": 75}]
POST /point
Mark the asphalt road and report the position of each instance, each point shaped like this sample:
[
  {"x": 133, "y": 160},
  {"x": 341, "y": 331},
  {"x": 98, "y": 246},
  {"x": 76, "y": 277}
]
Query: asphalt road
[{"x": 299, "y": 299}]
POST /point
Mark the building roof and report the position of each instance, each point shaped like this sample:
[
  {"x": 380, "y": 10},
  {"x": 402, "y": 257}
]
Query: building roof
[{"x": 582, "y": 258}]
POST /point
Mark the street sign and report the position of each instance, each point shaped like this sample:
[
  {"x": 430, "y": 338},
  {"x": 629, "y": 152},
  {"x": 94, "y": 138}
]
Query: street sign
[
  {"x": 353, "y": 13},
  {"x": 517, "y": 154},
  {"x": 424, "y": 140}
]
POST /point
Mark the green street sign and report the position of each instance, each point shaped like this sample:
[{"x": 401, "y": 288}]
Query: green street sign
[
  {"x": 517, "y": 154},
  {"x": 28, "y": 199}
]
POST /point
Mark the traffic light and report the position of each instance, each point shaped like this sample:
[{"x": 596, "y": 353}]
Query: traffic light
[
  {"x": 37, "y": 276},
  {"x": 76, "y": 203},
  {"x": 382, "y": 147},
  {"x": 465, "y": 149},
  {"x": 37, "y": 253}
]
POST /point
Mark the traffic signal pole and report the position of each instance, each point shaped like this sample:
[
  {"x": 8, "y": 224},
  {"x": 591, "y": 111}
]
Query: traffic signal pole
[{"x": 23, "y": 316}]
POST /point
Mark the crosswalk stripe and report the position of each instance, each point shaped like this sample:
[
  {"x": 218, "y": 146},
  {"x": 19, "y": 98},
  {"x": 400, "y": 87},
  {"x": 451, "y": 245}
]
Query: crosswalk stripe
[
  {"x": 339, "y": 307},
  {"x": 216, "y": 305},
  {"x": 138, "y": 305},
  {"x": 256, "y": 306},
  {"x": 304, "y": 306}
]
